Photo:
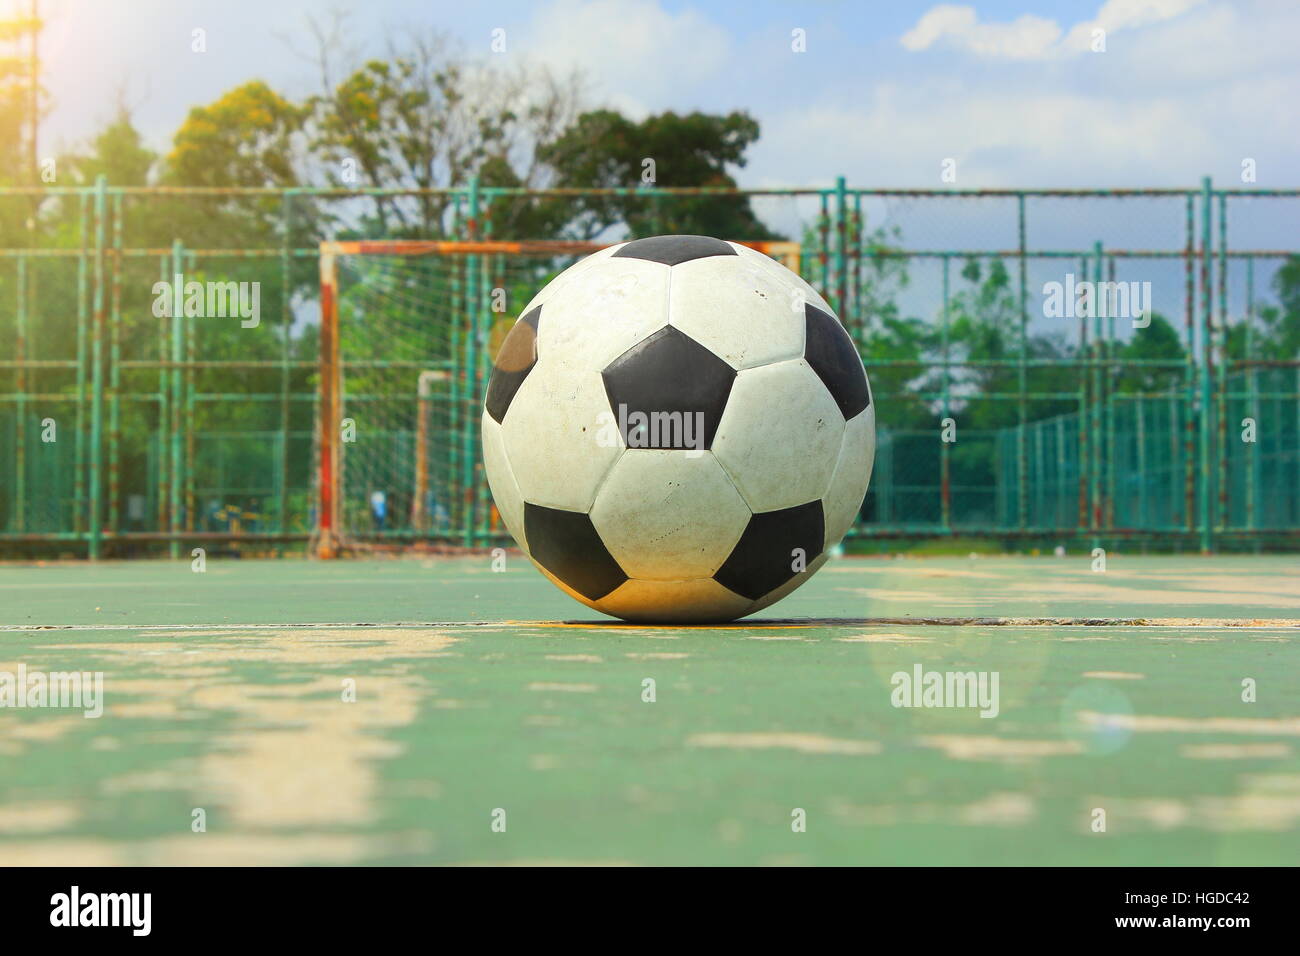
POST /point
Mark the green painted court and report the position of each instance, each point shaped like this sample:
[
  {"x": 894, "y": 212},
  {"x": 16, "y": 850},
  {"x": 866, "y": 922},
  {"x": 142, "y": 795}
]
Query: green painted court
[{"x": 478, "y": 691}]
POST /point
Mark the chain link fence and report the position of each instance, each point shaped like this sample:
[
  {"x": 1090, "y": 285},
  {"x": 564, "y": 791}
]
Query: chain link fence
[{"x": 1048, "y": 365}]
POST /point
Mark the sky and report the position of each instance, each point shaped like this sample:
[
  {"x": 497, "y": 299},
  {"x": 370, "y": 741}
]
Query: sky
[{"x": 883, "y": 94}]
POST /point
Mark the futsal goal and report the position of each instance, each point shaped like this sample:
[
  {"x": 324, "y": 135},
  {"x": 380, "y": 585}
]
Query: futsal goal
[{"x": 407, "y": 335}]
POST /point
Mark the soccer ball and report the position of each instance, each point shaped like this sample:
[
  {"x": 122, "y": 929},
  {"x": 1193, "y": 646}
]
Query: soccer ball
[{"x": 678, "y": 429}]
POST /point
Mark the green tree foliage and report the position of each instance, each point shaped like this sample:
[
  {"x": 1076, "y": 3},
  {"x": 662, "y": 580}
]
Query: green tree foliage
[
  {"x": 1275, "y": 330},
  {"x": 605, "y": 149},
  {"x": 249, "y": 137},
  {"x": 423, "y": 118},
  {"x": 118, "y": 153},
  {"x": 404, "y": 123},
  {"x": 885, "y": 336},
  {"x": 20, "y": 95},
  {"x": 986, "y": 324},
  {"x": 1282, "y": 329},
  {"x": 1158, "y": 341},
  {"x": 244, "y": 138},
  {"x": 19, "y": 92}
]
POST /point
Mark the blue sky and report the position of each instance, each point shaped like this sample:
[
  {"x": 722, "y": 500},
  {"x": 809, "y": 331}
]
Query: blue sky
[{"x": 884, "y": 93}]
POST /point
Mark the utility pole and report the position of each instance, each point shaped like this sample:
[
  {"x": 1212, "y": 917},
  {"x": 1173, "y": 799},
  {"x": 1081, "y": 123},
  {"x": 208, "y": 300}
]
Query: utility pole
[
  {"x": 33, "y": 111},
  {"x": 34, "y": 75}
]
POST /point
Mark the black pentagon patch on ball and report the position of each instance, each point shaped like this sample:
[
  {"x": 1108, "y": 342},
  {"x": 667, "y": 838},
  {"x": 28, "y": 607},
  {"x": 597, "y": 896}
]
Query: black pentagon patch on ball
[
  {"x": 833, "y": 356},
  {"x": 566, "y": 544},
  {"x": 513, "y": 362},
  {"x": 674, "y": 250},
  {"x": 668, "y": 391},
  {"x": 764, "y": 557}
]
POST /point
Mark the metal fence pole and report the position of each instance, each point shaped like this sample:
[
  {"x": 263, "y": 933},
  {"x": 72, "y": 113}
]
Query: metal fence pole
[
  {"x": 97, "y": 381},
  {"x": 1062, "y": 509},
  {"x": 161, "y": 446},
  {"x": 189, "y": 331},
  {"x": 1085, "y": 511},
  {"x": 945, "y": 451},
  {"x": 1108, "y": 379},
  {"x": 1190, "y": 484},
  {"x": 1097, "y": 509},
  {"x": 1219, "y": 343},
  {"x": 456, "y": 409},
  {"x": 79, "y": 450},
  {"x": 1141, "y": 463},
  {"x": 1252, "y": 391},
  {"x": 1022, "y": 465},
  {"x": 841, "y": 249},
  {"x": 174, "y": 424},
  {"x": 824, "y": 242},
  {"x": 1207, "y": 309},
  {"x": 469, "y": 460},
  {"x": 20, "y": 422},
  {"x": 115, "y": 379},
  {"x": 859, "y": 320},
  {"x": 483, "y": 370},
  {"x": 286, "y": 355}
]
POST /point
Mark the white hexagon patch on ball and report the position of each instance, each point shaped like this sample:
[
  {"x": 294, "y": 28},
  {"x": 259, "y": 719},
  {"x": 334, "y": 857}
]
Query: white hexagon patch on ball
[{"x": 678, "y": 429}]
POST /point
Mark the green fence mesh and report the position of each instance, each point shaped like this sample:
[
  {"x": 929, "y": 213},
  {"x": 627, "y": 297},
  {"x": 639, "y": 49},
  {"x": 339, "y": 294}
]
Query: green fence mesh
[{"x": 1003, "y": 411}]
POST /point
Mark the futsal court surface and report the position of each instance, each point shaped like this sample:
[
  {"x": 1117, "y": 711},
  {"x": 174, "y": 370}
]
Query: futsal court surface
[{"x": 495, "y": 720}]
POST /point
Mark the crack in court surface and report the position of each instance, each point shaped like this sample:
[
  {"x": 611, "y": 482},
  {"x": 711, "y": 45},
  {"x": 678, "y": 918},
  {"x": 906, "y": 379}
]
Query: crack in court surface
[{"x": 1145, "y": 622}]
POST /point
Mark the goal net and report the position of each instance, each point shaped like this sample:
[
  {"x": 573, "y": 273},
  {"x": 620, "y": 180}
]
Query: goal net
[{"x": 408, "y": 333}]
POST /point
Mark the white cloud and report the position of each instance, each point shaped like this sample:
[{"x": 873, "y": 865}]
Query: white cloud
[
  {"x": 1046, "y": 139},
  {"x": 1030, "y": 37},
  {"x": 640, "y": 55},
  {"x": 1116, "y": 15},
  {"x": 1138, "y": 116},
  {"x": 1026, "y": 38}
]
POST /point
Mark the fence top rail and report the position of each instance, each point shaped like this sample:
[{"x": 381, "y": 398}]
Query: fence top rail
[
  {"x": 424, "y": 247},
  {"x": 340, "y": 192},
  {"x": 552, "y": 247},
  {"x": 109, "y": 251},
  {"x": 343, "y": 192}
]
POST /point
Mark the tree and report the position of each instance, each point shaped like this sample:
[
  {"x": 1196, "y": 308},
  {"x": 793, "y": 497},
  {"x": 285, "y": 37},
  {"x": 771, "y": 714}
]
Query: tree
[
  {"x": 1281, "y": 326},
  {"x": 250, "y": 136},
  {"x": 884, "y": 335},
  {"x": 607, "y": 150},
  {"x": 986, "y": 327},
  {"x": 1278, "y": 328},
  {"x": 20, "y": 95},
  {"x": 244, "y": 138},
  {"x": 1158, "y": 341},
  {"x": 20, "y": 113},
  {"x": 423, "y": 118},
  {"x": 117, "y": 152}
]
